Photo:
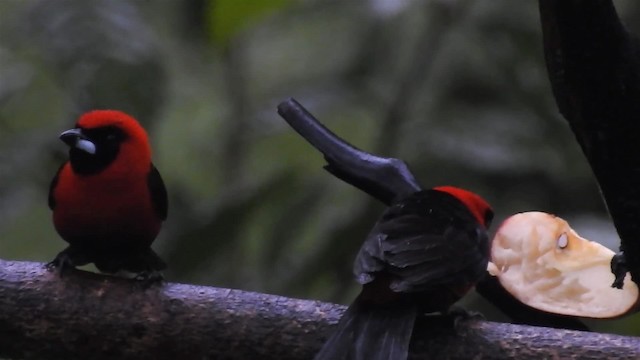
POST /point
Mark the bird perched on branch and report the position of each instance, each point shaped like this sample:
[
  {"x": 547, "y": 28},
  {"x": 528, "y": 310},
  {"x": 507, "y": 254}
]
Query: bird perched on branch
[
  {"x": 108, "y": 199},
  {"x": 426, "y": 251}
]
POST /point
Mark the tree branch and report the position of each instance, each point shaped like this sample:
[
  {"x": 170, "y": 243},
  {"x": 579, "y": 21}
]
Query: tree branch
[
  {"x": 385, "y": 179},
  {"x": 85, "y": 315}
]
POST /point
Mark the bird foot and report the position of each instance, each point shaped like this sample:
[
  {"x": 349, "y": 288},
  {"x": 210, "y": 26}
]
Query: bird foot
[
  {"x": 461, "y": 316},
  {"x": 619, "y": 269},
  {"x": 60, "y": 264},
  {"x": 149, "y": 278},
  {"x": 464, "y": 314}
]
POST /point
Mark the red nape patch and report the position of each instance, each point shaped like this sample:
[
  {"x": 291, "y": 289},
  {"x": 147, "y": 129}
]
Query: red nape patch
[{"x": 477, "y": 205}]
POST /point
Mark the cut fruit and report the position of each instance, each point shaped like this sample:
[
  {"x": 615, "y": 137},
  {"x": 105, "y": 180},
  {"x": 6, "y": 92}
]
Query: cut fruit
[{"x": 545, "y": 264}]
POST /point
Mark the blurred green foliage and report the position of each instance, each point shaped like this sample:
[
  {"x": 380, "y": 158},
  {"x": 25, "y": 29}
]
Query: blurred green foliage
[
  {"x": 456, "y": 88},
  {"x": 229, "y": 17}
]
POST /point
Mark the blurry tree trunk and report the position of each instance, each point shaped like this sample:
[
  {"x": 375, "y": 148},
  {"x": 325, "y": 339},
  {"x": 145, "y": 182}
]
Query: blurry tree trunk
[{"x": 88, "y": 316}]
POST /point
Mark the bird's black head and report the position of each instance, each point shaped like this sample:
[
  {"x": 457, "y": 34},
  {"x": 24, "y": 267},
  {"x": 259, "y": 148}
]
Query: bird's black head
[{"x": 92, "y": 150}]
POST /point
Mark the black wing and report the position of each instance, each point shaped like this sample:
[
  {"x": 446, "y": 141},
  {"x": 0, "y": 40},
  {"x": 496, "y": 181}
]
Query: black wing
[
  {"x": 52, "y": 186},
  {"x": 386, "y": 179},
  {"x": 158, "y": 192},
  {"x": 426, "y": 240}
]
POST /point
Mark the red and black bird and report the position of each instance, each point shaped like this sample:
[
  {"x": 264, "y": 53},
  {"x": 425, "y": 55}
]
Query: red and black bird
[
  {"x": 108, "y": 199},
  {"x": 426, "y": 251},
  {"x": 424, "y": 254}
]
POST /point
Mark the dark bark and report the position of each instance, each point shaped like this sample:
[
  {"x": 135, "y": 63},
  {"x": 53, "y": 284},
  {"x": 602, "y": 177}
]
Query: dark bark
[
  {"x": 89, "y": 316},
  {"x": 594, "y": 70}
]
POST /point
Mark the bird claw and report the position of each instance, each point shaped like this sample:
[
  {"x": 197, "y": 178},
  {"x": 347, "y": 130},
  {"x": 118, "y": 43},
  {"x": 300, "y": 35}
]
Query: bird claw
[
  {"x": 60, "y": 264},
  {"x": 461, "y": 313},
  {"x": 619, "y": 269},
  {"x": 461, "y": 316},
  {"x": 149, "y": 278},
  {"x": 52, "y": 266}
]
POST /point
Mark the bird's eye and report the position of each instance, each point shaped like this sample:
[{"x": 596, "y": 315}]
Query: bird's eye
[
  {"x": 108, "y": 134},
  {"x": 563, "y": 241},
  {"x": 112, "y": 135}
]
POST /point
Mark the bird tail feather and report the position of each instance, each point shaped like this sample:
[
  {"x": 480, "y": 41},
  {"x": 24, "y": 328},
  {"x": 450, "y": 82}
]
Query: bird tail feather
[{"x": 371, "y": 332}]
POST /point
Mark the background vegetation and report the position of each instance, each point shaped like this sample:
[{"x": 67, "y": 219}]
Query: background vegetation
[{"x": 456, "y": 88}]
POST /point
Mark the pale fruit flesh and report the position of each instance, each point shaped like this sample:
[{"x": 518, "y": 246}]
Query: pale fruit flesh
[{"x": 544, "y": 263}]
